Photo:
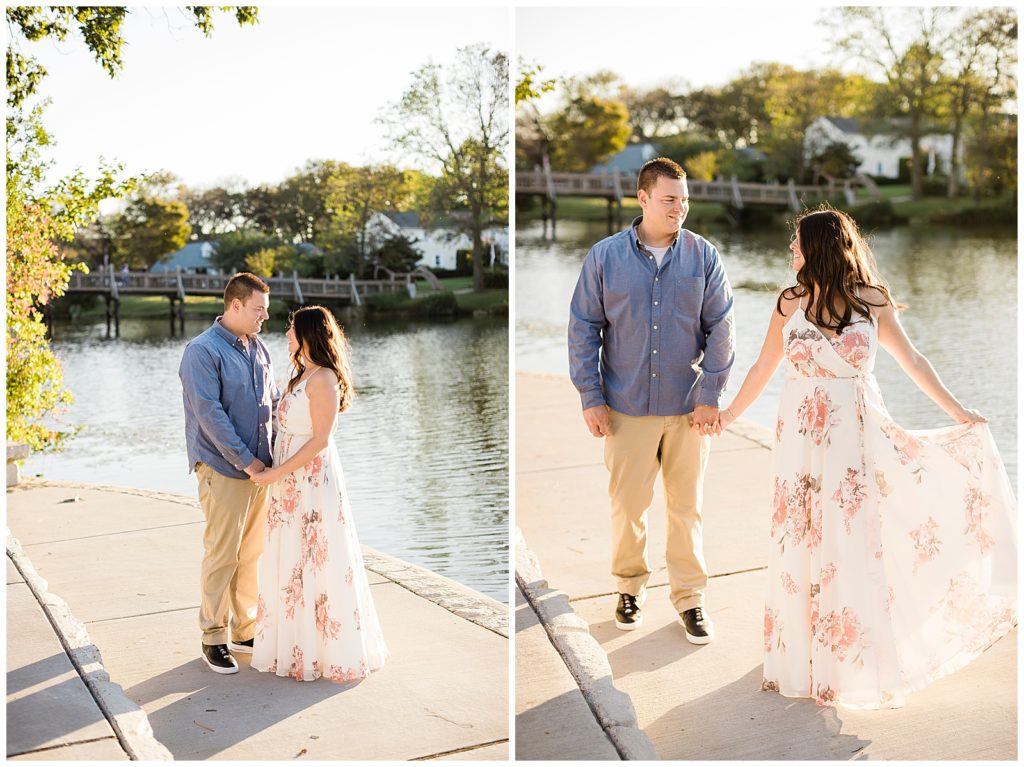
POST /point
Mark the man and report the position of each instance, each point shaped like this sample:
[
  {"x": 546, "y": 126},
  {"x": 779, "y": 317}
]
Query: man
[
  {"x": 230, "y": 397},
  {"x": 651, "y": 344}
]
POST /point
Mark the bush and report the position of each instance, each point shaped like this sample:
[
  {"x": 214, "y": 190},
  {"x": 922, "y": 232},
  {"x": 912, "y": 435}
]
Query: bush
[
  {"x": 495, "y": 279},
  {"x": 935, "y": 186},
  {"x": 876, "y": 213},
  {"x": 438, "y": 305}
]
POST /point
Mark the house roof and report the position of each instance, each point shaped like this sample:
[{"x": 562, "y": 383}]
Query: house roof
[
  {"x": 409, "y": 219},
  {"x": 845, "y": 124},
  {"x": 195, "y": 255},
  {"x": 628, "y": 160}
]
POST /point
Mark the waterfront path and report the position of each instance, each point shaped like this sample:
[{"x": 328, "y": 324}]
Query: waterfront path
[
  {"x": 103, "y": 649},
  {"x": 698, "y": 702}
]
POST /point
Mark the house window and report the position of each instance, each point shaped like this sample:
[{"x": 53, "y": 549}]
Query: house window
[{"x": 437, "y": 260}]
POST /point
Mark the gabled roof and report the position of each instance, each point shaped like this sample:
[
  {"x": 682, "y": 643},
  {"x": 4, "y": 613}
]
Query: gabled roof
[
  {"x": 195, "y": 255},
  {"x": 846, "y": 124},
  {"x": 628, "y": 160},
  {"x": 406, "y": 219}
]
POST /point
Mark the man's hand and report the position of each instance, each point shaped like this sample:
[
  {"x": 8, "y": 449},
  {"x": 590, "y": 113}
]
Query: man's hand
[
  {"x": 597, "y": 420},
  {"x": 255, "y": 467},
  {"x": 705, "y": 420}
]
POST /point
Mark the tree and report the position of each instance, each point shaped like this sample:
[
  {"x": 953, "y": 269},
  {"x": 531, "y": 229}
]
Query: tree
[
  {"x": 588, "y": 130},
  {"x": 456, "y": 120},
  {"x": 530, "y": 86},
  {"x": 41, "y": 215},
  {"x": 980, "y": 56},
  {"x": 149, "y": 230},
  {"x": 836, "y": 160},
  {"x": 905, "y": 47},
  {"x": 355, "y": 194},
  {"x": 654, "y": 113}
]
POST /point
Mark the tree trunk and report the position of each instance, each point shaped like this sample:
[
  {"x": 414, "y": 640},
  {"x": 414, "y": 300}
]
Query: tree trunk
[
  {"x": 916, "y": 171},
  {"x": 953, "y": 189},
  {"x": 478, "y": 255}
]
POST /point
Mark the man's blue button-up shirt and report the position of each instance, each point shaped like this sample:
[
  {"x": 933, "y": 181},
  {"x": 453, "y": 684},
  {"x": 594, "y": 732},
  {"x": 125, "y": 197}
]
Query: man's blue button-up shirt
[
  {"x": 646, "y": 340},
  {"x": 230, "y": 400}
]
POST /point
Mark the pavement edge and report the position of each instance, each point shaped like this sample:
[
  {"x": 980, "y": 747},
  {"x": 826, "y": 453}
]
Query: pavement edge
[
  {"x": 128, "y": 721},
  {"x": 583, "y": 656}
]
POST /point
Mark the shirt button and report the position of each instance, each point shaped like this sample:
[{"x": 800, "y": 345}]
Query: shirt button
[
  {"x": 655, "y": 351},
  {"x": 655, "y": 303},
  {"x": 650, "y": 258},
  {"x": 654, "y": 375},
  {"x": 656, "y": 279},
  {"x": 655, "y": 327}
]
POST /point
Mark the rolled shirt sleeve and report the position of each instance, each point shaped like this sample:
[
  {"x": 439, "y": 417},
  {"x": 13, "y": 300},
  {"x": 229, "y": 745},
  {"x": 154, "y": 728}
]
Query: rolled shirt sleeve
[
  {"x": 586, "y": 324},
  {"x": 200, "y": 381},
  {"x": 717, "y": 323}
]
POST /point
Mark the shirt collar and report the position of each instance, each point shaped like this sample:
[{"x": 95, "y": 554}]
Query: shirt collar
[
  {"x": 226, "y": 334},
  {"x": 635, "y": 234}
]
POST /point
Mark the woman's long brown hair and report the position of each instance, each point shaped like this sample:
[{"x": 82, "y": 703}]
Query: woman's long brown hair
[
  {"x": 837, "y": 261},
  {"x": 321, "y": 342}
]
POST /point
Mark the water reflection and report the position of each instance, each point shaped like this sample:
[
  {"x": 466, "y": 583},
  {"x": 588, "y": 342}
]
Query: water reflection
[
  {"x": 960, "y": 288},
  {"x": 424, "y": 446}
]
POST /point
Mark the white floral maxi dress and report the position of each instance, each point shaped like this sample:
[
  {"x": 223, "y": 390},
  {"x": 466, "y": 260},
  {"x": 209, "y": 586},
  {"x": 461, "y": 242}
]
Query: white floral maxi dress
[
  {"x": 893, "y": 555},
  {"x": 315, "y": 614}
]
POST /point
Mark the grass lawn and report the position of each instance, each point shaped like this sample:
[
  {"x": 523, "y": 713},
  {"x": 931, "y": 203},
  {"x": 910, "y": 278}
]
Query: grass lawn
[
  {"x": 144, "y": 307},
  {"x": 455, "y": 283},
  {"x": 485, "y": 299}
]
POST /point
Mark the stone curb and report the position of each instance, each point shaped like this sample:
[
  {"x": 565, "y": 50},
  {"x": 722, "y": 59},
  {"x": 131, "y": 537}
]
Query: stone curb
[
  {"x": 458, "y": 599},
  {"x": 129, "y": 722},
  {"x": 461, "y": 600},
  {"x": 583, "y": 656}
]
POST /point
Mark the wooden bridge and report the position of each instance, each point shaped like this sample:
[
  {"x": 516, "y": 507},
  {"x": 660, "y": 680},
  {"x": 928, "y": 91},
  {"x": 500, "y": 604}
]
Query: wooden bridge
[
  {"x": 177, "y": 285},
  {"x": 614, "y": 187}
]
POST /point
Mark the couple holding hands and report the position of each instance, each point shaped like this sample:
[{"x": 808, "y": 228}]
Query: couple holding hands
[
  {"x": 893, "y": 552},
  {"x": 282, "y": 573}
]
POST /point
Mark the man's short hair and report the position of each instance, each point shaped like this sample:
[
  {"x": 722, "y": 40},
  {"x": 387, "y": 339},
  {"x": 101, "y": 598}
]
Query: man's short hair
[
  {"x": 655, "y": 169},
  {"x": 241, "y": 286}
]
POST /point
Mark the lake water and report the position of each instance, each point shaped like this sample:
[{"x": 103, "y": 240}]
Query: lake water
[
  {"x": 424, "y": 445},
  {"x": 960, "y": 287}
]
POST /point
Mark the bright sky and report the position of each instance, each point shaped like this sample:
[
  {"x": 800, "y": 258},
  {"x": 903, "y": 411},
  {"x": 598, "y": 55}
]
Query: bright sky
[
  {"x": 699, "y": 46},
  {"x": 254, "y": 102}
]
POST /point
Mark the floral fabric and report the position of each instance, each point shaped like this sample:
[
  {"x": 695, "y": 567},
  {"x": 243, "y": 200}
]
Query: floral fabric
[
  {"x": 893, "y": 558},
  {"x": 315, "y": 614}
]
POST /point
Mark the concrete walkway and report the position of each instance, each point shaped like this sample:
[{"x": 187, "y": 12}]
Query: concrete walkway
[
  {"x": 103, "y": 650},
  {"x": 705, "y": 702}
]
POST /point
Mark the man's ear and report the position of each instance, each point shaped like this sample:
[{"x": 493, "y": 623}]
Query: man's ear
[{"x": 641, "y": 196}]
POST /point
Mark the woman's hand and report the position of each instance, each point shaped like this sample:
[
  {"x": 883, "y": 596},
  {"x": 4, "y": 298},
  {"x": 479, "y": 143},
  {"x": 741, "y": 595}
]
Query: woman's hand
[
  {"x": 267, "y": 477},
  {"x": 725, "y": 418},
  {"x": 968, "y": 415}
]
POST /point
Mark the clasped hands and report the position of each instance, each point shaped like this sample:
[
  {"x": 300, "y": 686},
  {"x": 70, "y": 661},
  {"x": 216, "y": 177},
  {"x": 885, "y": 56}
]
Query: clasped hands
[
  {"x": 261, "y": 474},
  {"x": 709, "y": 421}
]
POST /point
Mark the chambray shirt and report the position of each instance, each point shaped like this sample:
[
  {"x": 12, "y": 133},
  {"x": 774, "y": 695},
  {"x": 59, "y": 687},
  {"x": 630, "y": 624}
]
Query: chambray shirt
[
  {"x": 230, "y": 398},
  {"x": 646, "y": 340}
]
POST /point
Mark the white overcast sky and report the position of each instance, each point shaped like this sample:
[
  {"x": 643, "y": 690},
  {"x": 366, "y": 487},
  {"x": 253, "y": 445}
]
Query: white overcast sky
[
  {"x": 698, "y": 46},
  {"x": 251, "y": 102}
]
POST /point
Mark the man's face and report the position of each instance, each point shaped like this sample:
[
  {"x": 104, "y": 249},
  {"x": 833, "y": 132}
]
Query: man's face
[
  {"x": 251, "y": 314},
  {"x": 666, "y": 206}
]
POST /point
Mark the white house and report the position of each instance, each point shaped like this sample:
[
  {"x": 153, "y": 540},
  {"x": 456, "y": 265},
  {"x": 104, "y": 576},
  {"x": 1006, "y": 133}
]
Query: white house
[
  {"x": 879, "y": 152},
  {"x": 629, "y": 160},
  {"x": 438, "y": 246}
]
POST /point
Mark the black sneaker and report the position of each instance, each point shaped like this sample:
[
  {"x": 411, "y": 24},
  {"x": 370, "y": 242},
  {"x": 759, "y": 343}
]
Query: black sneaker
[
  {"x": 219, "y": 659},
  {"x": 627, "y": 614},
  {"x": 241, "y": 645},
  {"x": 699, "y": 628}
]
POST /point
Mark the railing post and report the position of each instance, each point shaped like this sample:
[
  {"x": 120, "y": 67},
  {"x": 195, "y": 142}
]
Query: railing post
[
  {"x": 113, "y": 283},
  {"x": 355, "y": 292},
  {"x": 737, "y": 198},
  {"x": 794, "y": 201},
  {"x": 298, "y": 289}
]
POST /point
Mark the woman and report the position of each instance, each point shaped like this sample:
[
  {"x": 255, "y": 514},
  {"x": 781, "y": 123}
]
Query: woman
[
  {"x": 893, "y": 560},
  {"x": 315, "y": 611}
]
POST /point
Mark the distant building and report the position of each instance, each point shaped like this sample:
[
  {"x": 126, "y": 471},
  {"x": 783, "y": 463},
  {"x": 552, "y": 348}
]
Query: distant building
[
  {"x": 194, "y": 258},
  {"x": 879, "y": 147},
  {"x": 629, "y": 160},
  {"x": 438, "y": 246}
]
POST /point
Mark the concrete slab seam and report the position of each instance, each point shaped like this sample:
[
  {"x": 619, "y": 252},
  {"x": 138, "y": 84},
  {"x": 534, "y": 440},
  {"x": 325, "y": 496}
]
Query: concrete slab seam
[
  {"x": 128, "y": 721},
  {"x": 466, "y": 749},
  {"x": 585, "y": 659},
  {"x": 454, "y": 597},
  {"x": 458, "y": 599}
]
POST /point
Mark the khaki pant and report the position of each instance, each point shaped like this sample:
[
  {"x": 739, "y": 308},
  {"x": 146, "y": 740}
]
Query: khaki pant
[
  {"x": 236, "y": 526},
  {"x": 633, "y": 453}
]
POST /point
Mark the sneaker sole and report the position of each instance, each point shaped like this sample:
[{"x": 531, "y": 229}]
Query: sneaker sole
[
  {"x": 242, "y": 648},
  {"x": 695, "y": 640},
  {"x": 220, "y": 669},
  {"x": 628, "y": 626}
]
